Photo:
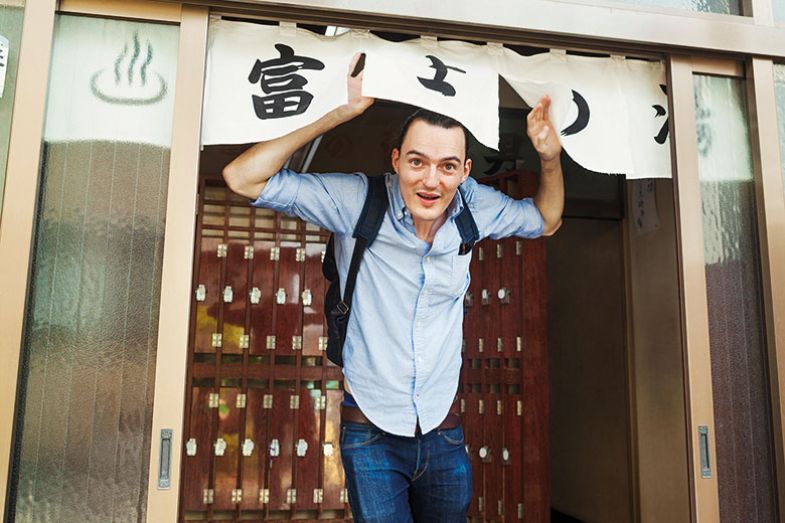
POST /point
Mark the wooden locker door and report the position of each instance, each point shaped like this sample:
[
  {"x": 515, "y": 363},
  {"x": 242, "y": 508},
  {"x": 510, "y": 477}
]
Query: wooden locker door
[{"x": 263, "y": 401}]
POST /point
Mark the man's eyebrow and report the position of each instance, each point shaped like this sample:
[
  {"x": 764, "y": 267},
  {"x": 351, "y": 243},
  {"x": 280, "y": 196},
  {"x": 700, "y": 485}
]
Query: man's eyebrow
[{"x": 445, "y": 159}]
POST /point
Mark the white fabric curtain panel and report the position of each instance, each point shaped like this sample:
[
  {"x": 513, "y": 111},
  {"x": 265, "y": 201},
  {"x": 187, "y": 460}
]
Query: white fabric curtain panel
[{"x": 265, "y": 81}]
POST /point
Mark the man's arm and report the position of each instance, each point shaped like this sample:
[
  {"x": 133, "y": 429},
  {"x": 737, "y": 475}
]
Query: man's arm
[
  {"x": 247, "y": 174},
  {"x": 550, "y": 194}
]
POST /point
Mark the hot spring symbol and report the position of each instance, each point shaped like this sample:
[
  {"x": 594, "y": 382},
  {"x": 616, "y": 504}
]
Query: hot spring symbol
[{"x": 130, "y": 82}]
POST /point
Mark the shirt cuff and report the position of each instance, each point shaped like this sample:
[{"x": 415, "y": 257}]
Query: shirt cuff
[{"x": 280, "y": 191}]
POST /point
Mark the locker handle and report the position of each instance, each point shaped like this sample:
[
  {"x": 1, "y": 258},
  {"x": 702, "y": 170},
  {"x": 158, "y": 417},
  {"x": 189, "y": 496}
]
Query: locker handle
[{"x": 165, "y": 460}]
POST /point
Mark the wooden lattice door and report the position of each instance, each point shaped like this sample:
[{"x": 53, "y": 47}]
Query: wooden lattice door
[{"x": 262, "y": 401}]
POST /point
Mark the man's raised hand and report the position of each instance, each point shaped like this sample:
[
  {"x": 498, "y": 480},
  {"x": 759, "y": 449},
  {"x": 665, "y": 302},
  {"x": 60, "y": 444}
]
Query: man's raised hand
[
  {"x": 541, "y": 131},
  {"x": 356, "y": 103}
]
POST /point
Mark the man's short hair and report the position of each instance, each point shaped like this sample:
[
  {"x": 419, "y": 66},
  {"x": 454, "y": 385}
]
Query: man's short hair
[{"x": 432, "y": 118}]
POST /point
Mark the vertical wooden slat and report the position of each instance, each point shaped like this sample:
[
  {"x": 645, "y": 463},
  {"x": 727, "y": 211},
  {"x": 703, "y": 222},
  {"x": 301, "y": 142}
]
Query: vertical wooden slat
[
  {"x": 196, "y": 467},
  {"x": 261, "y": 313},
  {"x": 226, "y": 464},
  {"x": 209, "y": 275},
  {"x": 282, "y": 429},
  {"x": 236, "y": 279},
  {"x": 313, "y": 314},
  {"x": 254, "y": 466},
  {"x": 333, "y": 477},
  {"x": 307, "y": 466},
  {"x": 692, "y": 279},
  {"x": 289, "y": 320},
  {"x": 19, "y": 208},
  {"x": 770, "y": 204}
]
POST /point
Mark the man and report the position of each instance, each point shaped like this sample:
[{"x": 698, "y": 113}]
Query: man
[{"x": 401, "y": 441}]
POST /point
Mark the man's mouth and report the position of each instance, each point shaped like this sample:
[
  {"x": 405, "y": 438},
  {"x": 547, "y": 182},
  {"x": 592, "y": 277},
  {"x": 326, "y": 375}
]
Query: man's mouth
[{"x": 428, "y": 196}]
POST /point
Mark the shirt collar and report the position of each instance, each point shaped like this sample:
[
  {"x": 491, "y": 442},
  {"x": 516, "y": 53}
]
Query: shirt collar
[{"x": 399, "y": 207}]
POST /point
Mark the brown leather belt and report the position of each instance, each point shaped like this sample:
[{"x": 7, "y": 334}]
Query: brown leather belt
[{"x": 355, "y": 415}]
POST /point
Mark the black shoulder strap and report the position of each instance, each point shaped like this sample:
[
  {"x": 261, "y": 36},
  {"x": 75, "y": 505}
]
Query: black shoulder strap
[
  {"x": 375, "y": 206},
  {"x": 467, "y": 227},
  {"x": 365, "y": 231}
]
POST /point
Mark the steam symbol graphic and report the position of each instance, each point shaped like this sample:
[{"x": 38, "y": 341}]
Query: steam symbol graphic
[{"x": 129, "y": 82}]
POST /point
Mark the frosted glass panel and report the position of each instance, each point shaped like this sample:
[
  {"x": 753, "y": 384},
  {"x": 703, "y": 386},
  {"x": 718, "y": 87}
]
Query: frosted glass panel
[
  {"x": 779, "y": 10},
  {"x": 742, "y": 414},
  {"x": 85, "y": 403},
  {"x": 728, "y": 7},
  {"x": 779, "y": 88},
  {"x": 11, "y": 15}
]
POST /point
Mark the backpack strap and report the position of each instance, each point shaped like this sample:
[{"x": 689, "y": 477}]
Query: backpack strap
[
  {"x": 365, "y": 232},
  {"x": 467, "y": 227},
  {"x": 375, "y": 206}
]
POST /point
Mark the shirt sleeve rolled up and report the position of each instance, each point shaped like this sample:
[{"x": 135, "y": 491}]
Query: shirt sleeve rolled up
[
  {"x": 332, "y": 201},
  {"x": 499, "y": 216}
]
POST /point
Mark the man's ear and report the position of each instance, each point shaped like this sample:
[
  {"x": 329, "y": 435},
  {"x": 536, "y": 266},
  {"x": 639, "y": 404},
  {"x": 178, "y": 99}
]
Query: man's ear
[
  {"x": 394, "y": 156},
  {"x": 467, "y": 168}
]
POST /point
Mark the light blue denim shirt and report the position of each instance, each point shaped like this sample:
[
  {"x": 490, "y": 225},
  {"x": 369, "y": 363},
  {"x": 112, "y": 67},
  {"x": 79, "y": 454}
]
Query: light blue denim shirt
[{"x": 402, "y": 355}]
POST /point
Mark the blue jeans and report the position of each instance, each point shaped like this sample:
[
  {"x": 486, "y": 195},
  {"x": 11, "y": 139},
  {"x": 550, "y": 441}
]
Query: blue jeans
[{"x": 427, "y": 478}]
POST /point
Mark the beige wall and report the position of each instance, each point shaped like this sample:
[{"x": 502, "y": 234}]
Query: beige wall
[
  {"x": 656, "y": 361},
  {"x": 590, "y": 477}
]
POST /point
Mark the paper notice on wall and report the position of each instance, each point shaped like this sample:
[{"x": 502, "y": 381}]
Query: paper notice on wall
[
  {"x": 4, "y": 49},
  {"x": 644, "y": 206}
]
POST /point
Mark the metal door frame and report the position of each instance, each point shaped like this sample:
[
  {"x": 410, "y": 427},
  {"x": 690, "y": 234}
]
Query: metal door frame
[{"x": 644, "y": 32}]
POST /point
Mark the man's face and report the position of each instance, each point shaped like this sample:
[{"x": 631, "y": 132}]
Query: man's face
[{"x": 430, "y": 166}]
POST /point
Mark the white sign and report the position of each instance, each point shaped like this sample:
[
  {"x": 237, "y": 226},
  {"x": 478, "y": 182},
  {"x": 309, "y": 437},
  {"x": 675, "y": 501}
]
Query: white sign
[
  {"x": 266, "y": 81},
  {"x": 453, "y": 78},
  {"x": 617, "y": 121}
]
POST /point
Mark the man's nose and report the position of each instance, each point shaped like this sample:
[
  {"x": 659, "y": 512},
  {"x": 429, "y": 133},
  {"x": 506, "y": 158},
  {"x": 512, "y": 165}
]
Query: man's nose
[{"x": 431, "y": 179}]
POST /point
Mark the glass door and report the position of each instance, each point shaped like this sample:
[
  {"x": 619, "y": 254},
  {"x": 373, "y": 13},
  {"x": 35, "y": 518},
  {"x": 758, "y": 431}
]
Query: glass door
[
  {"x": 96, "y": 423},
  {"x": 84, "y": 419}
]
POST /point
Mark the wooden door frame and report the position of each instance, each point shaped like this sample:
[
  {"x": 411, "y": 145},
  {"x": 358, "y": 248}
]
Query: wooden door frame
[
  {"x": 704, "y": 491},
  {"x": 18, "y": 212},
  {"x": 770, "y": 207}
]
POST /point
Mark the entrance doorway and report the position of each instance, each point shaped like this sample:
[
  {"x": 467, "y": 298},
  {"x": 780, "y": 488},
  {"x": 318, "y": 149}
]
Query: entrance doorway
[{"x": 262, "y": 407}]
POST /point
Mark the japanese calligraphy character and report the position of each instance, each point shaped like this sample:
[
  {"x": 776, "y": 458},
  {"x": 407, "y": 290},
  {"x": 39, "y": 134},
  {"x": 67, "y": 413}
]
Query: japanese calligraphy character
[
  {"x": 509, "y": 144},
  {"x": 437, "y": 83},
  {"x": 278, "y": 79},
  {"x": 663, "y": 134},
  {"x": 582, "y": 120}
]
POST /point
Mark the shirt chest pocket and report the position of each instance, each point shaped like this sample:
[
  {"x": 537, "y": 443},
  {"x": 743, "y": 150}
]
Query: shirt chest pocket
[{"x": 451, "y": 274}]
